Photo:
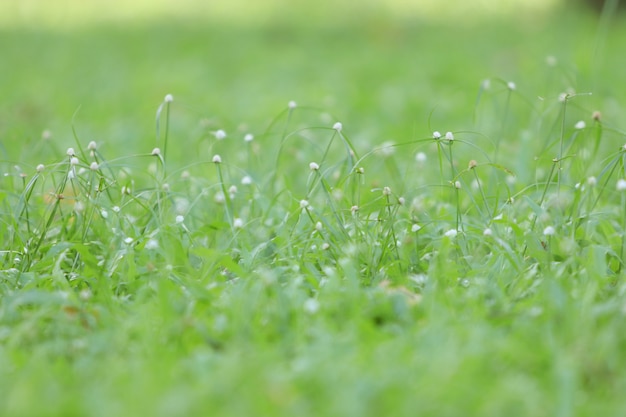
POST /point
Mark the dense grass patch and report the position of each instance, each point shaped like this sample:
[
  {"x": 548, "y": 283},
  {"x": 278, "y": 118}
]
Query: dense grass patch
[{"x": 391, "y": 218}]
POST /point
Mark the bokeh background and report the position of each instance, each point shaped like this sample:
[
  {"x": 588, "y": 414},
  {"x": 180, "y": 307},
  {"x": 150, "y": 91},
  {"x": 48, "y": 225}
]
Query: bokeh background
[{"x": 387, "y": 69}]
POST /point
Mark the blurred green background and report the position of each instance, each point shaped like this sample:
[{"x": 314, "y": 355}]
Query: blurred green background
[{"x": 381, "y": 67}]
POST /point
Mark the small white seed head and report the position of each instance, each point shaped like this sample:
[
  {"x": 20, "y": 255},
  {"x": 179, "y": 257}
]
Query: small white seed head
[
  {"x": 169, "y": 98},
  {"x": 580, "y": 124},
  {"x": 70, "y": 152},
  {"x": 338, "y": 126},
  {"x": 249, "y": 137},
  {"x": 621, "y": 184},
  {"x": 511, "y": 85},
  {"x": 217, "y": 159},
  {"x": 314, "y": 166},
  {"x": 436, "y": 135},
  {"x": 292, "y": 105},
  {"x": 449, "y": 136},
  {"x": 220, "y": 134},
  {"x": 386, "y": 191},
  {"x": 179, "y": 219},
  {"x": 549, "y": 231},
  {"x": 237, "y": 223},
  {"x": 92, "y": 146},
  {"x": 246, "y": 180},
  {"x": 40, "y": 167},
  {"x": 156, "y": 151},
  {"x": 94, "y": 166},
  {"x": 304, "y": 204}
]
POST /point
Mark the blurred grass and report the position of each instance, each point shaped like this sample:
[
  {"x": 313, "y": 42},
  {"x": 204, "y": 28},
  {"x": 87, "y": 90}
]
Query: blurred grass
[{"x": 379, "y": 74}]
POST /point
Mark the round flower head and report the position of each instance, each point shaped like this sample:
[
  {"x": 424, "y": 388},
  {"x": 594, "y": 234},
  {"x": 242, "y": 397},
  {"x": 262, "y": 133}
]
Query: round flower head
[
  {"x": 156, "y": 151},
  {"x": 436, "y": 135},
  {"x": 415, "y": 228},
  {"x": 420, "y": 157},
  {"x": 472, "y": 164},
  {"x": 487, "y": 232},
  {"x": 596, "y": 115},
  {"x": 179, "y": 219},
  {"x": 304, "y": 204},
  {"x": 292, "y": 105},
  {"x": 457, "y": 185},
  {"x": 40, "y": 167},
  {"x": 249, "y": 137},
  {"x": 338, "y": 126},
  {"x": 94, "y": 166},
  {"x": 169, "y": 98},
  {"x": 451, "y": 233},
  {"x": 549, "y": 231},
  {"x": 70, "y": 152},
  {"x": 621, "y": 184},
  {"x": 237, "y": 223},
  {"x": 314, "y": 166},
  {"x": 580, "y": 125},
  {"x": 247, "y": 180},
  {"x": 92, "y": 146},
  {"x": 74, "y": 161},
  {"x": 217, "y": 159},
  {"x": 511, "y": 85},
  {"x": 386, "y": 191},
  {"x": 220, "y": 134},
  {"x": 449, "y": 136}
]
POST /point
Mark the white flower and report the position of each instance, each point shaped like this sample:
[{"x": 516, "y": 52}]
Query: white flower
[
  {"x": 457, "y": 185},
  {"x": 621, "y": 184},
  {"x": 563, "y": 97},
  {"x": 386, "y": 191},
  {"x": 92, "y": 146},
  {"x": 338, "y": 126},
  {"x": 220, "y": 134},
  {"x": 451, "y": 233},
  {"x": 304, "y": 204},
  {"x": 580, "y": 124},
  {"x": 116, "y": 209},
  {"x": 128, "y": 240},
  {"x": 179, "y": 219},
  {"x": 232, "y": 190},
  {"x": 104, "y": 214},
  {"x": 94, "y": 166},
  {"x": 486, "y": 84},
  {"x": 169, "y": 98},
  {"x": 401, "y": 201},
  {"x": 70, "y": 152},
  {"x": 314, "y": 166},
  {"x": 246, "y": 180},
  {"x": 249, "y": 137},
  {"x": 318, "y": 226},
  {"x": 354, "y": 209},
  {"x": 436, "y": 135},
  {"x": 219, "y": 197},
  {"x": 487, "y": 232},
  {"x": 325, "y": 246},
  {"x": 237, "y": 223},
  {"x": 217, "y": 159},
  {"x": 549, "y": 231},
  {"x": 152, "y": 244},
  {"x": 511, "y": 85},
  {"x": 449, "y": 136},
  {"x": 40, "y": 167},
  {"x": 311, "y": 305},
  {"x": 420, "y": 157},
  {"x": 156, "y": 151},
  {"x": 292, "y": 104},
  {"x": 74, "y": 161},
  {"x": 592, "y": 181},
  {"x": 416, "y": 228}
]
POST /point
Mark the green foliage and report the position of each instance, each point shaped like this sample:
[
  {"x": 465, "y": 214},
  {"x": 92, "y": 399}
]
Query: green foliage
[{"x": 372, "y": 267}]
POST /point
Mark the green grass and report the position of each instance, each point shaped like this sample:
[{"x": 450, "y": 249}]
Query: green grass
[{"x": 377, "y": 282}]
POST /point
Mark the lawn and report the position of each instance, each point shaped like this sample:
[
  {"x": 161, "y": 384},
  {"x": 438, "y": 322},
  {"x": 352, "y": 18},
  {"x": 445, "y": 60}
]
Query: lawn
[{"x": 313, "y": 213}]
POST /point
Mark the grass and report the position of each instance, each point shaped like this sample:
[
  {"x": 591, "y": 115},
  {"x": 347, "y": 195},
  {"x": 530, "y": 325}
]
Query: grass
[{"x": 360, "y": 268}]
